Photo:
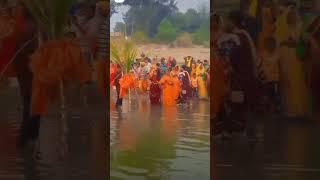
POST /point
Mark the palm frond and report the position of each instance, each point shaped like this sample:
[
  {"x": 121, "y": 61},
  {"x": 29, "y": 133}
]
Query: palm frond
[
  {"x": 123, "y": 53},
  {"x": 51, "y": 16}
]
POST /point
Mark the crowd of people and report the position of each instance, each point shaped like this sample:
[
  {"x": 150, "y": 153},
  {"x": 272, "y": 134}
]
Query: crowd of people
[
  {"x": 163, "y": 80},
  {"x": 276, "y": 67}
]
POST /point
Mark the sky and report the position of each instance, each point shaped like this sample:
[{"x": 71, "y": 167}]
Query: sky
[{"x": 183, "y": 6}]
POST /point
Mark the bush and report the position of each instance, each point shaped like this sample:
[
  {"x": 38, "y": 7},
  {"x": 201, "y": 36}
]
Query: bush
[
  {"x": 140, "y": 37},
  {"x": 184, "y": 40},
  {"x": 166, "y": 32},
  {"x": 201, "y": 35}
]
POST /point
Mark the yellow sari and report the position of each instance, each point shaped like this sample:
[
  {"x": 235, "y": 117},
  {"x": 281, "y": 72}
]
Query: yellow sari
[
  {"x": 293, "y": 84},
  {"x": 202, "y": 89}
]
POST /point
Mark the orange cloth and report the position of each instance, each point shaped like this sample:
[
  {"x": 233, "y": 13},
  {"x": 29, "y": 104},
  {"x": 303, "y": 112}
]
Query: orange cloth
[
  {"x": 168, "y": 97},
  {"x": 177, "y": 87},
  {"x": 127, "y": 82},
  {"x": 143, "y": 85},
  {"x": 219, "y": 85},
  {"x": 55, "y": 61}
]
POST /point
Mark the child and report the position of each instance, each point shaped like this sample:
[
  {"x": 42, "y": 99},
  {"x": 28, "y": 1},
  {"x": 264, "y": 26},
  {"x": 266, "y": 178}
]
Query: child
[
  {"x": 269, "y": 73},
  {"x": 194, "y": 84}
]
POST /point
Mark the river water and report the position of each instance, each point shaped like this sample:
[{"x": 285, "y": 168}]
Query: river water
[
  {"x": 80, "y": 153},
  {"x": 154, "y": 142}
]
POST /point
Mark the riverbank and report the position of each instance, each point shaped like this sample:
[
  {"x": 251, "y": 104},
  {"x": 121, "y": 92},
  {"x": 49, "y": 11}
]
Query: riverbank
[{"x": 152, "y": 50}]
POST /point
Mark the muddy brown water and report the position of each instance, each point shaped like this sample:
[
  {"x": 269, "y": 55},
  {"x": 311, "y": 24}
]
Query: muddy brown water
[{"x": 154, "y": 142}]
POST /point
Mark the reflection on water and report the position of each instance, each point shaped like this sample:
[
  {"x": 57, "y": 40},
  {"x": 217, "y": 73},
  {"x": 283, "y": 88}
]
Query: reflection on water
[
  {"x": 154, "y": 142},
  {"x": 85, "y": 157}
]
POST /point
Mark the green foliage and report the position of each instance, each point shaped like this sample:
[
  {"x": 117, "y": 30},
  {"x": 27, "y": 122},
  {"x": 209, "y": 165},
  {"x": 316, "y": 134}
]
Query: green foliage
[
  {"x": 51, "y": 16},
  {"x": 159, "y": 20},
  {"x": 193, "y": 20},
  {"x": 202, "y": 35},
  {"x": 124, "y": 53},
  {"x": 166, "y": 32},
  {"x": 146, "y": 15},
  {"x": 179, "y": 21}
]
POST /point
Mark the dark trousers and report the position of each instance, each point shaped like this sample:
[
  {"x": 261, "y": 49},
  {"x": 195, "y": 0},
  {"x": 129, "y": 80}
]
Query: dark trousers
[
  {"x": 119, "y": 100},
  {"x": 30, "y": 126},
  {"x": 272, "y": 92}
]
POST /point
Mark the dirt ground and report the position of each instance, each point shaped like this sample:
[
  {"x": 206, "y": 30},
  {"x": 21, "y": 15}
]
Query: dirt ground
[{"x": 179, "y": 53}]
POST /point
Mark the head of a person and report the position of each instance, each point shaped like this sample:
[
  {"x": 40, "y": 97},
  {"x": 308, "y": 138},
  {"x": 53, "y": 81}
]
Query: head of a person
[
  {"x": 268, "y": 3},
  {"x": 270, "y": 44},
  {"x": 292, "y": 16},
  {"x": 142, "y": 64},
  {"x": 183, "y": 67},
  {"x": 205, "y": 62},
  {"x": 176, "y": 68},
  {"x": 234, "y": 20},
  {"x": 216, "y": 22},
  {"x": 158, "y": 65},
  {"x": 154, "y": 73},
  {"x": 102, "y": 7}
]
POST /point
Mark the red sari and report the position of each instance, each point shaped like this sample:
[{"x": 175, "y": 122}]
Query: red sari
[{"x": 155, "y": 90}]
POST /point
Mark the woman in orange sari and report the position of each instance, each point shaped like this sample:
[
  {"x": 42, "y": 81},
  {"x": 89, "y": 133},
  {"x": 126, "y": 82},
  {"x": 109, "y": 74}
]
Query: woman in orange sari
[
  {"x": 167, "y": 84},
  {"x": 219, "y": 68},
  {"x": 176, "y": 86}
]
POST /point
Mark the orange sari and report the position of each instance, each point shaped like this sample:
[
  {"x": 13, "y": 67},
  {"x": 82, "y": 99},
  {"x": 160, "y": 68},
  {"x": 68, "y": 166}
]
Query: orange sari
[
  {"x": 55, "y": 61},
  {"x": 168, "y": 97},
  {"x": 176, "y": 87},
  {"x": 219, "y": 86},
  {"x": 127, "y": 82}
]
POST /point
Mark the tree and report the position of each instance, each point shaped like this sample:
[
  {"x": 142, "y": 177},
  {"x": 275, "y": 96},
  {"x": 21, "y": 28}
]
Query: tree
[
  {"x": 146, "y": 15},
  {"x": 193, "y": 20},
  {"x": 166, "y": 32},
  {"x": 179, "y": 21},
  {"x": 120, "y": 27}
]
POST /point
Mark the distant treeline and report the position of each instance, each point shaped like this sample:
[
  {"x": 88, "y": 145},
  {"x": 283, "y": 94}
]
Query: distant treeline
[{"x": 160, "y": 21}]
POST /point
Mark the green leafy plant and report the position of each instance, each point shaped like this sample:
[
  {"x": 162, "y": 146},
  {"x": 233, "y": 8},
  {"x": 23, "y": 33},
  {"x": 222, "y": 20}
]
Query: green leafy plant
[
  {"x": 124, "y": 53},
  {"x": 51, "y": 15}
]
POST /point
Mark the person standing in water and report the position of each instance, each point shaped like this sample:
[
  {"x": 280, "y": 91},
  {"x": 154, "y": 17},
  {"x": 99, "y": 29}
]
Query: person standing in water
[
  {"x": 201, "y": 77},
  {"x": 167, "y": 84},
  {"x": 155, "y": 89},
  {"x": 118, "y": 76}
]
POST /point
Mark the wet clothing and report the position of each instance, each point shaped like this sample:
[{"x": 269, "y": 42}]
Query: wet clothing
[
  {"x": 118, "y": 87},
  {"x": 186, "y": 89},
  {"x": 167, "y": 84},
  {"x": 202, "y": 88},
  {"x": 155, "y": 90}
]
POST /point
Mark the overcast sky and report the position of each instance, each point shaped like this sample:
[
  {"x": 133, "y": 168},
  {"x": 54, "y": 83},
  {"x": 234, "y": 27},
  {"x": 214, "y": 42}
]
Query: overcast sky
[{"x": 183, "y": 5}]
